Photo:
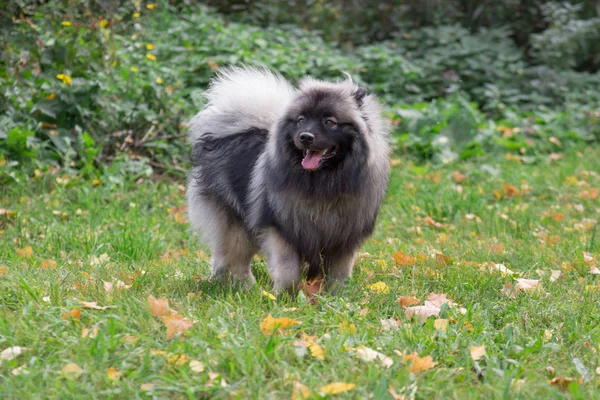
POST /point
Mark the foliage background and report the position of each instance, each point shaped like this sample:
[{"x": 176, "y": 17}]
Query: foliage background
[{"x": 107, "y": 87}]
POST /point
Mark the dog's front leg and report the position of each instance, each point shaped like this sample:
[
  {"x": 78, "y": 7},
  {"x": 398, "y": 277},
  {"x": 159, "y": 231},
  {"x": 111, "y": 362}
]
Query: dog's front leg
[
  {"x": 338, "y": 267},
  {"x": 283, "y": 263}
]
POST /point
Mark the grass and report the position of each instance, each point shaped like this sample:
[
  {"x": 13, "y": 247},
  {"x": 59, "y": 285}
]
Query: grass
[{"x": 543, "y": 222}]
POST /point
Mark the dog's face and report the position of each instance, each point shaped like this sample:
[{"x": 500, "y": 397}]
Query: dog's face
[{"x": 320, "y": 130}]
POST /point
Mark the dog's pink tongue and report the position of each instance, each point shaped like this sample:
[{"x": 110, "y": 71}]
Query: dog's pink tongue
[{"x": 311, "y": 160}]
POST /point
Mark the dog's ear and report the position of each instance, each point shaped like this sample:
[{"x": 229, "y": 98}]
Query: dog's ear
[{"x": 359, "y": 95}]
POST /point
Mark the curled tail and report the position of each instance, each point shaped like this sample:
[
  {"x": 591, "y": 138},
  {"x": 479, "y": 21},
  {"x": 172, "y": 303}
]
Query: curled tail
[{"x": 239, "y": 99}]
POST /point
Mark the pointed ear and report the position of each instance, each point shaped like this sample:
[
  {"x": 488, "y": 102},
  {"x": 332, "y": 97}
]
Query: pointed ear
[{"x": 359, "y": 96}]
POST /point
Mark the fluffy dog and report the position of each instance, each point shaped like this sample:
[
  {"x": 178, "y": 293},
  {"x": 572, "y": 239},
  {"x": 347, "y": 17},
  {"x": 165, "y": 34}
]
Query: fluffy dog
[{"x": 297, "y": 173}]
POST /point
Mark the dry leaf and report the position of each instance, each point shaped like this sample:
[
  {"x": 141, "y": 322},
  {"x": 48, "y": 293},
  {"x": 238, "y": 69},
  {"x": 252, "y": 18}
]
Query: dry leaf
[
  {"x": 403, "y": 260},
  {"x": 178, "y": 359},
  {"x": 347, "y": 328},
  {"x": 510, "y": 190},
  {"x": 337, "y": 388},
  {"x": 441, "y": 324},
  {"x": 406, "y": 301},
  {"x": 458, "y": 177},
  {"x": 93, "y": 305},
  {"x": 439, "y": 299},
  {"x": 422, "y": 313},
  {"x": 175, "y": 324},
  {"x": 75, "y": 314},
  {"x": 492, "y": 267},
  {"x": 12, "y": 352},
  {"x": 271, "y": 325},
  {"x": 395, "y": 395},
  {"x": 563, "y": 382},
  {"x": 390, "y": 324},
  {"x": 380, "y": 287},
  {"x": 160, "y": 307},
  {"x": 555, "y": 275},
  {"x": 419, "y": 364},
  {"x": 109, "y": 286},
  {"x": 587, "y": 257},
  {"x": 25, "y": 252},
  {"x": 20, "y": 371},
  {"x": 300, "y": 391},
  {"x": 367, "y": 354},
  {"x": 522, "y": 285},
  {"x": 146, "y": 387},
  {"x": 315, "y": 350},
  {"x": 311, "y": 288},
  {"x": 113, "y": 374},
  {"x": 269, "y": 295},
  {"x": 48, "y": 264},
  {"x": 477, "y": 352},
  {"x": 85, "y": 332},
  {"x": 71, "y": 371},
  {"x": 196, "y": 366},
  {"x": 443, "y": 259},
  {"x": 130, "y": 339},
  {"x": 430, "y": 221}
]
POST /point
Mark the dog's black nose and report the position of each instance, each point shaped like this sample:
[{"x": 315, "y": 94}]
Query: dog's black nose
[{"x": 307, "y": 137}]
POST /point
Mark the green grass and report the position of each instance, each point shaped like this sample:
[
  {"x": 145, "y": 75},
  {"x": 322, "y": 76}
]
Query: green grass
[{"x": 152, "y": 249}]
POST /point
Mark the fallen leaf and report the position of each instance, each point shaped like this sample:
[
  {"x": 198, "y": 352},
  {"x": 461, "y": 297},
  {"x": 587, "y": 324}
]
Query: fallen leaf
[
  {"x": 430, "y": 221},
  {"x": 20, "y": 371},
  {"x": 271, "y": 325},
  {"x": 113, "y": 374},
  {"x": 509, "y": 190},
  {"x": 93, "y": 305},
  {"x": 443, "y": 259},
  {"x": 146, "y": 387},
  {"x": 380, "y": 287},
  {"x": 493, "y": 267},
  {"x": 300, "y": 391},
  {"x": 422, "y": 313},
  {"x": 178, "y": 359},
  {"x": 441, "y": 324},
  {"x": 419, "y": 364},
  {"x": 315, "y": 350},
  {"x": 347, "y": 328},
  {"x": 196, "y": 366},
  {"x": 25, "y": 252},
  {"x": 555, "y": 275},
  {"x": 71, "y": 371},
  {"x": 160, "y": 307},
  {"x": 12, "y": 352},
  {"x": 439, "y": 299},
  {"x": 458, "y": 177},
  {"x": 337, "y": 388},
  {"x": 594, "y": 270},
  {"x": 477, "y": 352},
  {"x": 367, "y": 354},
  {"x": 3, "y": 269},
  {"x": 311, "y": 288},
  {"x": 547, "y": 335},
  {"x": 75, "y": 314},
  {"x": 406, "y": 301},
  {"x": 175, "y": 324},
  {"x": 48, "y": 264},
  {"x": 269, "y": 295},
  {"x": 395, "y": 395},
  {"x": 521, "y": 285},
  {"x": 85, "y": 332},
  {"x": 403, "y": 260},
  {"x": 563, "y": 382},
  {"x": 109, "y": 286},
  {"x": 390, "y": 324}
]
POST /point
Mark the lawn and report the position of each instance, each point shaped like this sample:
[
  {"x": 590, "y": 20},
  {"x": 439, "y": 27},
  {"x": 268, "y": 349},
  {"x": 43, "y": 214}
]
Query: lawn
[{"x": 511, "y": 241}]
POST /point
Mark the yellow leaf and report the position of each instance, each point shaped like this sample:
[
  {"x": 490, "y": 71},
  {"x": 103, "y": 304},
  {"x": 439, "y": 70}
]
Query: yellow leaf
[
  {"x": 178, "y": 359},
  {"x": 160, "y": 307},
  {"x": 348, "y": 328},
  {"x": 269, "y": 295},
  {"x": 315, "y": 350},
  {"x": 71, "y": 371},
  {"x": 175, "y": 324},
  {"x": 300, "y": 391},
  {"x": 477, "y": 352},
  {"x": 419, "y": 364},
  {"x": 271, "y": 325},
  {"x": 441, "y": 324},
  {"x": 380, "y": 287},
  {"x": 25, "y": 252},
  {"x": 113, "y": 374},
  {"x": 196, "y": 366},
  {"x": 337, "y": 388}
]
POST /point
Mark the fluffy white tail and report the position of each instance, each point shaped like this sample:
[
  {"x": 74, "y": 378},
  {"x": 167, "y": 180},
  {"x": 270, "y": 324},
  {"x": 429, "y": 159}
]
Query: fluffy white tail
[{"x": 240, "y": 98}]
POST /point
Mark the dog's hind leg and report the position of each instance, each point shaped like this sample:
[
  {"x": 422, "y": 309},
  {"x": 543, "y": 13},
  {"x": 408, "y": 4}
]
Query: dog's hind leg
[{"x": 283, "y": 262}]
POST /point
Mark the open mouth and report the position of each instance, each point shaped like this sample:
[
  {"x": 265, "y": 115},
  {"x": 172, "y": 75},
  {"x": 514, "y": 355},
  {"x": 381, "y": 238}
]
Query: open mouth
[{"x": 313, "y": 158}]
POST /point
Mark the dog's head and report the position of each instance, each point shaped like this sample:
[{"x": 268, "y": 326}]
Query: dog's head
[{"x": 324, "y": 124}]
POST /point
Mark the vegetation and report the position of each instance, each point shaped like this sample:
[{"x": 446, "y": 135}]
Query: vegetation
[
  {"x": 466, "y": 233},
  {"x": 88, "y": 85}
]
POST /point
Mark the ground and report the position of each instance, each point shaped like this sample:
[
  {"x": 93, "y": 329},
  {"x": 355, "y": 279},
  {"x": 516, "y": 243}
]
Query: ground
[{"x": 464, "y": 230}]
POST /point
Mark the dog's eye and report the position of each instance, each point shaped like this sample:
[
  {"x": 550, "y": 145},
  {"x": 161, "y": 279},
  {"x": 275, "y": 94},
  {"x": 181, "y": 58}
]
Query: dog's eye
[
  {"x": 330, "y": 122},
  {"x": 300, "y": 120}
]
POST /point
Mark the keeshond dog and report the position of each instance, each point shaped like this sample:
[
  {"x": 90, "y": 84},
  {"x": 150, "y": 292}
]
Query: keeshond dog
[{"x": 297, "y": 173}]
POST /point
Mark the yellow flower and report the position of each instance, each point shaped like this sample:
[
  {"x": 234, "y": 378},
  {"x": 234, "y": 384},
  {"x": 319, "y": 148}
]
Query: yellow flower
[
  {"x": 151, "y": 6},
  {"x": 136, "y": 15},
  {"x": 65, "y": 78},
  {"x": 150, "y": 46},
  {"x": 66, "y": 23},
  {"x": 103, "y": 23},
  {"x": 151, "y": 56},
  {"x": 133, "y": 69},
  {"x": 159, "y": 81}
]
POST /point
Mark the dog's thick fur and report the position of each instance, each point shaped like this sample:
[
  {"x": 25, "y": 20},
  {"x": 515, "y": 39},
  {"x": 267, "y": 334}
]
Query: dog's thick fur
[{"x": 252, "y": 190}]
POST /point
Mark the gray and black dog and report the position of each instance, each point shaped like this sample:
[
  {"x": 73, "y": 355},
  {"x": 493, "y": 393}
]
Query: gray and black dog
[{"x": 297, "y": 173}]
